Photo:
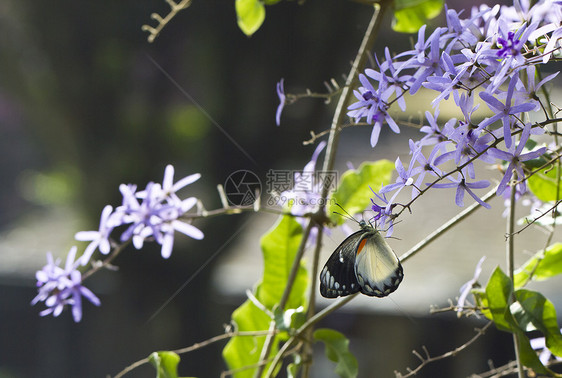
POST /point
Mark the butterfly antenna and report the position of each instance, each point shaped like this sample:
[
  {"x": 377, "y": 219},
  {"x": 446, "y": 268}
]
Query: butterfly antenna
[{"x": 347, "y": 215}]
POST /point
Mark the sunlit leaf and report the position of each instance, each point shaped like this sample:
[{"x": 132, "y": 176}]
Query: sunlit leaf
[
  {"x": 410, "y": 15},
  {"x": 250, "y": 15},
  {"x": 540, "y": 312},
  {"x": 279, "y": 247},
  {"x": 540, "y": 266},
  {"x": 498, "y": 293},
  {"x": 337, "y": 350},
  {"x": 165, "y": 363},
  {"x": 545, "y": 184},
  {"x": 354, "y": 191},
  {"x": 528, "y": 356}
]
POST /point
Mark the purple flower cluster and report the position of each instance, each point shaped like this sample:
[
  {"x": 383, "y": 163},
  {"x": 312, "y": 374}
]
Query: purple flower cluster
[
  {"x": 306, "y": 199},
  {"x": 154, "y": 213},
  {"x": 494, "y": 54},
  {"x": 59, "y": 287}
]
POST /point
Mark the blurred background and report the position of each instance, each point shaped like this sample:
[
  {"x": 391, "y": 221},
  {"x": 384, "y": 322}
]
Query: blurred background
[{"x": 86, "y": 103}]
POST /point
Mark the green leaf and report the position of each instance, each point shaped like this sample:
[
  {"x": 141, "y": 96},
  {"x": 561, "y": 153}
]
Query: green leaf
[
  {"x": 498, "y": 292},
  {"x": 540, "y": 266},
  {"x": 250, "y": 14},
  {"x": 279, "y": 247},
  {"x": 294, "y": 367},
  {"x": 243, "y": 351},
  {"x": 540, "y": 312},
  {"x": 410, "y": 15},
  {"x": 531, "y": 311},
  {"x": 166, "y": 364},
  {"x": 290, "y": 319},
  {"x": 544, "y": 185},
  {"x": 528, "y": 355},
  {"x": 337, "y": 350},
  {"x": 354, "y": 192}
]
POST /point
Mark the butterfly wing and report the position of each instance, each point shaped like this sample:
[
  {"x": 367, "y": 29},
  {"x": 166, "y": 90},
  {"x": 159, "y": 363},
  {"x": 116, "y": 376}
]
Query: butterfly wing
[
  {"x": 338, "y": 278},
  {"x": 377, "y": 267}
]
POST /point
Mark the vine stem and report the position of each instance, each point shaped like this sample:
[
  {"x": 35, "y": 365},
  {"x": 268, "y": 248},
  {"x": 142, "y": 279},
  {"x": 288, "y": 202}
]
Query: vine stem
[
  {"x": 307, "y": 346},
  {"x": 347, "y": 92},
  {"x": 339, "y": 115},
  {"x": 309, "y": 323},
  {"x": 193, "y": 347},
  {"x": 510, "y": 247},
  {"x": 268, "y": 343},
  {"x": 333, "y": 139}
]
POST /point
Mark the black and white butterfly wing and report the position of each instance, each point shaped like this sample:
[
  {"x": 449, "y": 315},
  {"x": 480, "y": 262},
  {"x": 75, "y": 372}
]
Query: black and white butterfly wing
[
  {"x": 377, "y": 268},
  {"x": 338, "y": 277}
]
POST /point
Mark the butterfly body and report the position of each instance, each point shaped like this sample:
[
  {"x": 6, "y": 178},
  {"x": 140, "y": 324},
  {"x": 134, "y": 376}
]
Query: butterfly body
[{"x": 364, "y": 262}]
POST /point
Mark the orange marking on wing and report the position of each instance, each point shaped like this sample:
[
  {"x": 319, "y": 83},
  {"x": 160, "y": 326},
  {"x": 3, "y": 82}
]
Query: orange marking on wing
[{"x": 361, "y": 245}]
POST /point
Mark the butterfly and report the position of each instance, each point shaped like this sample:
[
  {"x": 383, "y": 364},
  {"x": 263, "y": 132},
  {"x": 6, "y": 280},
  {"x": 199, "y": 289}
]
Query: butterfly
[{"x": 363, "y": 262}]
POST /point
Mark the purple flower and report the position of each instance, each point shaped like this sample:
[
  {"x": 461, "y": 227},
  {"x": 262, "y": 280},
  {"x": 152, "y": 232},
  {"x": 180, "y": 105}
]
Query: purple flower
[
  {"x": 462, "y": 186},
  {"x": 169, "y": 189},
  {"x": 282, "y": 98},
  {"x": 428, "y": 65},
  {"x": 403, "y": 180},
  {"x": 372, "y": 106},
  {"x": 529, "y": 94},
  {"x": 60, "y": 287},
  {"x": 159, "y": 214},
  {"x": 515, "y": 159},
  {"x": 434, "y": 135},
  {"x": 383, "y": 214},
  {"x": 467, "y": 287},
  {"x": 448, "y": 82},
  {"x": 511, "y": 51},
  {"x": 426, "y": 165},
  {"x": 461, "y": 32},
  {"x": 504, "y": 111},
  {"x": 552, "y": 45},
  {"x": 393, "y": 83},
  {"x": 98, "y": 238},
  {"x": 512, "y": 42},
  {"x": 468, "y": 144},
  {"x": 304, "y": 197}
]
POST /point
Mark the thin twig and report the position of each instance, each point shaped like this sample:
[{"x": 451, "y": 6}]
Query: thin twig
[
  {"x": 194, "y": 347},
  {"x": 107, "y": 262},
  {"x": 510, "y": 251},
  {"x": 529, "y": 223},
  {"x": 427, "y": 359},
  {"x": 175, "y": 8}
]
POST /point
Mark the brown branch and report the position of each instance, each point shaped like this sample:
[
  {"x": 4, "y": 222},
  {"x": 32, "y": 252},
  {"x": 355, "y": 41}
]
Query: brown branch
[
  {"x": 194, "y": 347},
  {"x": 427, "y": 359},
  {"x": 175, "y": 8},
  {"x": 553, "y": 208}
]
